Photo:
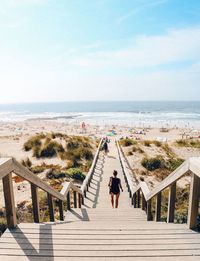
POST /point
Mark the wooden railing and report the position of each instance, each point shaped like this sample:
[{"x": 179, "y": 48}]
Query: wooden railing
[
  {"x": 9, "y": 166},
  {"x": 87, "y": 180},
  {"x": 69, "y": 191},
  {"x": 141, "y": 196}
]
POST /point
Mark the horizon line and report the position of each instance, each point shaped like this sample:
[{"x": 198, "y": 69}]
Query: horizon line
[{"x": 92, "y": 101}]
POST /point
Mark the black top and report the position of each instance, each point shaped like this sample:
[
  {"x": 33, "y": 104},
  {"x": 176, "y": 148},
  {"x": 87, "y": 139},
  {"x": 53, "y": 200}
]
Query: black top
[
  {"x": 105, "y": 146},
  {"x": 114, "y": 188}
]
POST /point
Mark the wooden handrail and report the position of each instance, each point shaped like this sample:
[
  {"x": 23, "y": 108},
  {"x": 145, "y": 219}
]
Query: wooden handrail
[
  {"x": 6, "y": 166},
  {"x": 173, "y": 177},
  {"x": 25, "y": 173},
  {"x": 10, "y": 165},
  {"x": 192, "y": 164},
  {"x": 66, "y": 188},
  {"x": 88, "y": 177},
  {"x": 131, "y": 185}
]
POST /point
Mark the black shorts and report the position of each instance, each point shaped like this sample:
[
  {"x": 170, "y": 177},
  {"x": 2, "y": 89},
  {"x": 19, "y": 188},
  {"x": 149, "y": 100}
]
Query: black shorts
[{"x": 115, "y": 192}]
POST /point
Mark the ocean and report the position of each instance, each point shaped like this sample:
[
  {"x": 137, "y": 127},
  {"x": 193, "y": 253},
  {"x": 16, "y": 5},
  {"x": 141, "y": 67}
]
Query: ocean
[{"x": 129, "y": 113}]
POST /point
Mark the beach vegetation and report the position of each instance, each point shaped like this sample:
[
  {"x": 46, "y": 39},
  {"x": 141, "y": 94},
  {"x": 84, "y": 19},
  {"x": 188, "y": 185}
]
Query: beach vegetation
[
  {"x": 127, "y": 142},
  {"x": 76, "y": 173},
  {"x": 153, "y": 163},
  {"x": 3, "y": 224},
  {"x": 137, "y": 149},
  {"x": 26, "y": 162},
  {"x": 36, "y": 152},
  {"x": 173, "y": 163},
  {"x": 157, "y": 143},
  {"x": 159, "y": 162},
  {"x": 87, "y": 165},
  {"x": 74, "y": 148},
  {"x": 56, "y": 174},
  {"x": 51, "y": 149},
  {"x": 147, "y": 143},
  {"x": 34, "y": 141},
  {"x": 168, "y": 150},
  {"x": 38, "y": 169},
  {"x": 193, "y": 143}
]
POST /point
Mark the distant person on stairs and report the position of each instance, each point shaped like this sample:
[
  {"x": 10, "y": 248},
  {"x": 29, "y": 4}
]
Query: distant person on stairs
[
  {"x": 105, "y": 147},
  {"x": 115, "y": 186}
]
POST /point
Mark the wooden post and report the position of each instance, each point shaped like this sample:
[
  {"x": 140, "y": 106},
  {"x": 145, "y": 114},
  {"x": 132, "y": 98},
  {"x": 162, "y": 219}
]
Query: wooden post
[
  {"x": 75, "y": 199},
  {"x": 35, "y": 203},
  {"x": 51, "y": 209},
  {"x": 193, "y": 201},
  {"x": 79, "y": 200},
  {"x": 68, "y": 201},
  {"x": 158, "y": 207},
  {"x": 134, "y": 200},
  {"x": 82, "y": 198},
  {"x": 60, "y": 204},
  {"x": 149, "y": 214},
  {"x": 138, "y": 198},
  {"x": 171, "y": 203},
  {"x": 143, "y": 202},
  {"x": 9, "y": 201}
]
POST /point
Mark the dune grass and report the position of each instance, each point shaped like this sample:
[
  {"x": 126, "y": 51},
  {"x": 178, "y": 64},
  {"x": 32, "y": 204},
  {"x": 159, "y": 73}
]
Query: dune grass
[
  {"x": 192, "y": 143},
  {"x": 127, "y": 142}
]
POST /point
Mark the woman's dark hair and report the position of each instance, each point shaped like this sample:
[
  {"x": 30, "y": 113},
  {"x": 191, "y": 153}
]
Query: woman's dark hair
[{"x": 115, "y": 173}]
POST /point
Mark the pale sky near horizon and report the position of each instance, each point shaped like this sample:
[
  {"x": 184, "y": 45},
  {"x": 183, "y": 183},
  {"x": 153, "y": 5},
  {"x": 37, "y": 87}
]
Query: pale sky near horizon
[{"x": 68, "y": 50}]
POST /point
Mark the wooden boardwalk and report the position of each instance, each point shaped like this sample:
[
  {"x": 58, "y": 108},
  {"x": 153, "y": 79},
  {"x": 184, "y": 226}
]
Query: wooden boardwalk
[{"x": 98, "y": 232}]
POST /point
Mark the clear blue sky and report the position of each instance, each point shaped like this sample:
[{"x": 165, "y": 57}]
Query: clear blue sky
[{"x": 66, "y": 50}]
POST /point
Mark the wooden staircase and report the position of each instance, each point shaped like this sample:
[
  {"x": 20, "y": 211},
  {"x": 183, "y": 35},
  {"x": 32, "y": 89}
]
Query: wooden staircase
[
  {"x": 91, "y": 234},
  {"x": 97, "y": 232}
]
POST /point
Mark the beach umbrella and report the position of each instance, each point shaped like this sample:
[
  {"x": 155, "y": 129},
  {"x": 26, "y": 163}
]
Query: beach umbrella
[{"x": 110, "y": 134}]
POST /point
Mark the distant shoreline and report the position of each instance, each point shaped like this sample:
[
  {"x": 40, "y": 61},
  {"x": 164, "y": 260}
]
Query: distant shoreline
[
  {"x": 133, "y": 114},
  {"x": 51, "y": 118}
]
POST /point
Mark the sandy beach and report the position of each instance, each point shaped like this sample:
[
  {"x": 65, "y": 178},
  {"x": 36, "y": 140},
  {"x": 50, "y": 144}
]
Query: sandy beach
[{"x": 14, "y": 134}]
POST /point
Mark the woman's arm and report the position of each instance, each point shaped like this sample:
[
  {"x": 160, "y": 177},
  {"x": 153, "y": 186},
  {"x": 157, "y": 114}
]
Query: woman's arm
[{"x": 110, "y": 182}]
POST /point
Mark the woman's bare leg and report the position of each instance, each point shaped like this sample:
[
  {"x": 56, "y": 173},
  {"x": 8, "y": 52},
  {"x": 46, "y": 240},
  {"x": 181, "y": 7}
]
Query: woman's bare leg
[
  {"x": 117, "y": 200},
  {"x": 112, "y": 199}
]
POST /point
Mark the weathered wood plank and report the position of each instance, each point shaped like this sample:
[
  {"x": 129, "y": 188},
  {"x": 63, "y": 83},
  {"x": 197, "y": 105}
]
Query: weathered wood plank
[
  {"x": 171, "y": 203},
  {"x": 68, "y": 201},
  {"x": 193, "y": 201},
  {"x": 106, "y": 236},
  {"x": 195, "y": 165},
  {"x": 158, "y": 207},
  {"x": 9, "y": 201},
  {"x": 79, "y": 200},
  {"x": 119, "y": 232},
  {"x": 101, "y": 247},
  {"x": 6, "y": 166},
  {"x": 134, "y": 202},
  {"x": 95, "y": 253},
  {"x": 145, "y": 189},
  {"x": 149, "y": 213},
  {"x": 51, "y": 207},
  {"x": 75, "y": 199},
  {"x": 35, "y": 203},
  {"x": 61, "y": 209},
  {"x": 138, "y": 198}
]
